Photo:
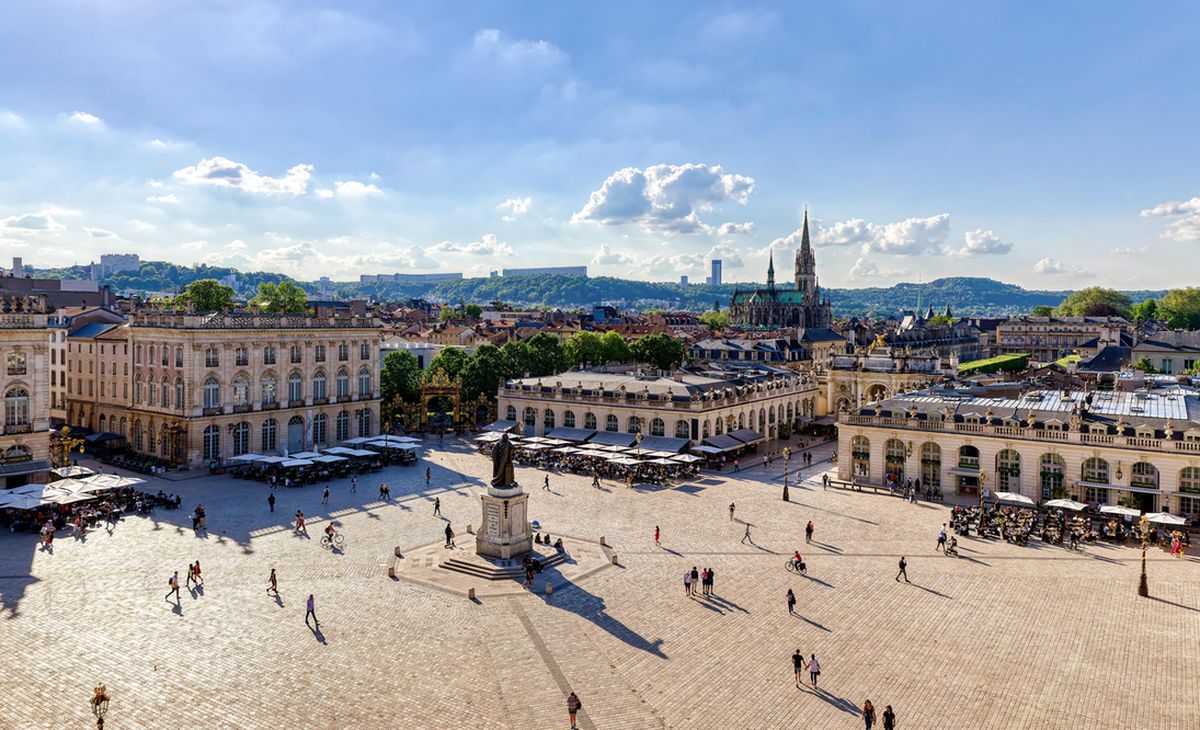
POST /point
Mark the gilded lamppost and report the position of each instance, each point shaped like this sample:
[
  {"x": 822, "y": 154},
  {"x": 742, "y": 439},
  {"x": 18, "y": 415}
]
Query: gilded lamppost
[
  {"x": 1144, "y": 529},
  {"x": 983, "y": 477},
  {"x": 62, "y": 445},
  {"x": 99, "y": 705}
]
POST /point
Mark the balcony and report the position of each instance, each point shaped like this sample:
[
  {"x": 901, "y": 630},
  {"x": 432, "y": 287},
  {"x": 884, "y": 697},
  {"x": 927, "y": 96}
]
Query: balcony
[
  {"x": 18, "y": 428},
  {"x": 242, "y": 408},
  {"x": 343, "y": 399},
  {"x": 272, "y": 406},
  {"x": 296, "y": 403},
  {"x": 320, "y": 401},
  {"x": 214, "y": 411}
]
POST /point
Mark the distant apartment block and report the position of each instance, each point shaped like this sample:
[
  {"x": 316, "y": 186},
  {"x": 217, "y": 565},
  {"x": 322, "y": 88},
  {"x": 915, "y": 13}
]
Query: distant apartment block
[
  {"x": 404, "y": 278},
  {"x": 112, "y": 263},
  {"x": 683, "y": 280},
  {"x": 715, "y": 277},
  {"x": 546, "y": 270}
]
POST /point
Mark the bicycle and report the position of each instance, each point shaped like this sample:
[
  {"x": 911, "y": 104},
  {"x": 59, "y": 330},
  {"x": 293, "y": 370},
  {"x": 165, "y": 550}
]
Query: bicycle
[
  {"x": 329, "y": 543},
  {"x": 795, "y": 566}
]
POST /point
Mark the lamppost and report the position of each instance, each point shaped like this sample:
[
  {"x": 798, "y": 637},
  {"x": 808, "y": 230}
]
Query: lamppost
[
  {"x": 983, "y": 477},
  {"x": 1144, "y": 529},
  {"x": 637, "y": 437},
  {"x": 99, "y": 703},
  {"x": 62, "y": 445}
]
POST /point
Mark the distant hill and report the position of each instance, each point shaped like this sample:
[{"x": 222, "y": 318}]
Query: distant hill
[{"x": 966, "y": 295}]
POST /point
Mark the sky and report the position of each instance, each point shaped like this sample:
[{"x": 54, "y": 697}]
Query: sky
[{"x": 1052, "y": 145}]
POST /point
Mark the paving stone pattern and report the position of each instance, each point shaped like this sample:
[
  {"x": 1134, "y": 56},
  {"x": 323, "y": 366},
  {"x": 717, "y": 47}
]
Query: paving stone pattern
[{"x": 1004, "y": 637}]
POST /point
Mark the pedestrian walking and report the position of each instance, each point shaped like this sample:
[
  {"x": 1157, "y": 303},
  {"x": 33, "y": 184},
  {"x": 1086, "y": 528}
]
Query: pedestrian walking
[
  {"x": 271, "y": 501},
  {"x": 695, "y": 580},
  {"x": 382, "y": 490},
  {"x": 824, "y": 481},
  {"x": 656, "y": 535},
  {"x": 191, "y": 575},
  {"x": 791, "y": 601},
  {"x": 325, "y": 495},
  {"x": 712, "y": 575},
  {"x": 573, "y": 705},
  {"x": 428, "y": 474},
  {"x": 272, "y": 583},
  {"x": 687, "y": 582},
  {"x": 437, "y": 506},
  {"x": 808, "y": 531},
  {"x": 798, "y": 666},
  {"x": 737, "y": 465},
  {"x": 353, "y": 484},
  {"x": 449, "y": 536},
  {"x": 766, "y": 463},
  {"x": 868, "y": 714},
  {"x": 903, "y": 570},
  {"x": 941, "y": 544},
  {"x": 546, "y": 483},
  {"x": 310, "y": 610},
  {"x": 814, "y": 669},
  {"x": 173, "y": 582},
  {"x": 746, "y": 535},
  {"x": 731, "y": 508},
  {"x": 196, "y": 577},
  {"x": 889, "y": 718},
  {"x": 300, "y": 522},
  {"x": 596, "y": 479}
]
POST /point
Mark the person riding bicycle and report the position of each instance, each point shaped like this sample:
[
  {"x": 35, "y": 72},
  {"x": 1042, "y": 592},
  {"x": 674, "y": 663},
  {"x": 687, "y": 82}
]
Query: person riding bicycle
[
  {"x": 798, "y": 562},
  {"x": 330, "y": 532},
  {"x": 952, "y": 546}
]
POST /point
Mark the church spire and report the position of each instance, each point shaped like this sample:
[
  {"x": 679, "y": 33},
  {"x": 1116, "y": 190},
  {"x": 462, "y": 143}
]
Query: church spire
[
  {"x": 771, "y": 271},
  {"x": 805, "y": 247},
  {"x": 806, "y": 266}
]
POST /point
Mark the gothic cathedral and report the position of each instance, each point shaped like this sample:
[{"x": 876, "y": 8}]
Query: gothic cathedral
[{"x": 773, "y": 307}]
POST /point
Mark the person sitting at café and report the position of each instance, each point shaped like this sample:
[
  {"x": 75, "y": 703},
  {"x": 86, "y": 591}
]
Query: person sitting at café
[{"x": 558, "y": 545}]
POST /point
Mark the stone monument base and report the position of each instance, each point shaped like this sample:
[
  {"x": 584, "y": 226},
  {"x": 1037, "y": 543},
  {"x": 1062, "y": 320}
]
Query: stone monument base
[{"x": 505, "y": 532}]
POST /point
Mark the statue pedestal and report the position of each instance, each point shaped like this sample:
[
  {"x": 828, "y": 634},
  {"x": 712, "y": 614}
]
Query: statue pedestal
[{"x": 504, "y": 532}]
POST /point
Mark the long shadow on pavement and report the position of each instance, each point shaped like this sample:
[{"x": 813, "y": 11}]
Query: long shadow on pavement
[{"x": 589, "y": 606}]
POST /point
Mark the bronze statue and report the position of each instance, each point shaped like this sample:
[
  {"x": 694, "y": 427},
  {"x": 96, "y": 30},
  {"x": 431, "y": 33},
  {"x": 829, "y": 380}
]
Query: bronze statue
[{"x": 502, "y": 467}]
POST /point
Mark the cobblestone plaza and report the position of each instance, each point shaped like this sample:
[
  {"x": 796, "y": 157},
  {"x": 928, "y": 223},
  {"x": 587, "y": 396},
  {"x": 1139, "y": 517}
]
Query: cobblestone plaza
[{"x": 1002, "y": 637}]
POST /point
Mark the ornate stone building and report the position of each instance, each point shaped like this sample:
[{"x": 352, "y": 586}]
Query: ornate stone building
[
  {"x": 24, "y": 383},
  {"x": 775, "y": 307},
  {"x": 200, "y": 389}
]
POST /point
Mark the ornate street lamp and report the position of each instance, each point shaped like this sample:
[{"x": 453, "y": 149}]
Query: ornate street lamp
[
  {"x": 62, "y": 445},
  {"x": 983, "y": 477},
  {"x": 638, "y": 439},
  {"x": 99, "y": 703},
  {"x": 1144, "y": 529}
]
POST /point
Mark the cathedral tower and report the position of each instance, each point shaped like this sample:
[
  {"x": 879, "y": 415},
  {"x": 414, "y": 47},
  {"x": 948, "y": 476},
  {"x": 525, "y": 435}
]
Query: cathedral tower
[{"x": 806, "y": 268}]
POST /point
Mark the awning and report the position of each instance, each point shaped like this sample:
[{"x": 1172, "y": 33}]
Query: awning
[
  {"x": 24, "y": 467},
  {"x": 724, "y": 442},
  {"x": 706, "y": 449},
  {"x": 746, "y": 436},
  {"x": 963, "y": 471},
  {"x": 67, "y": 472},
  {"x": 327, "y": 458},
  {"x": 303, "y": 455},
  {"x": 501, "y": 425},
  {"x": 359, "y": 440},
  {"x": 248, "y": 457},
  {"x": 613, "y": 438},
  {"x": 663, "y": 443},
  {"x": 574, "y": 435},
  {"x": 96, "y": 438},
  {"x": 296, "y": 462},
  {"x": 396, "y": 439},
  {"x": 824, "y": 421},
  {"x": 1122, "y": 487}
]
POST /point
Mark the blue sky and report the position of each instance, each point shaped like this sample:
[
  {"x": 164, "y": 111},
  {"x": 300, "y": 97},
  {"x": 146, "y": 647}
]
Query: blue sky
[{"x": 1053, "y": 147}]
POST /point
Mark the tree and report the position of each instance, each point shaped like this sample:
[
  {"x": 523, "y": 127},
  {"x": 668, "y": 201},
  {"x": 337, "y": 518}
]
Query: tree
[
  {"x": 401, "y": 376},
  {"x": 483, "y": 372},
  {"x": 940, "y": 320},
  {"x": 446, "y": 314},
  {"x": 1042, "y": 310},
  {"x": 474, "y": 311},
  {"x": 659, "y": 350},
  {"x": 1095, "y": 301},
  {"x": 545, "y": 355},
  {"x": 1144, "y": 365},
  {"x": 1180, "y": 308},
  {"x": 450, "y": 359},
  {"x": 584, "y": 348},
  {"x": 1145, "y": 310},
  {"x": 206, "y": 295},
  {"x": 614, "y": 348},
  {"x": 716, "y": 320},
  {"x": 284, "y": 297},
  {"x": 515, "y": 359}
]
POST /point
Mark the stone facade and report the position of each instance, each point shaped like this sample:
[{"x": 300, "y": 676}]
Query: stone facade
[{"x": 25, "y": 387}]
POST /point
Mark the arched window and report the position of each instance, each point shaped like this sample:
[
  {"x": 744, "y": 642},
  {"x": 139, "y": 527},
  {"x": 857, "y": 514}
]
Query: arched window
[
  {"x": 150, "y": 443},
  {"x": 17, "y": 454},
  {"x": 657, "y": 427},
  {"x": 295, "y": 388},
  {"x": 1189, "y": 479},
  {"x": 166, "y": 356},
  {"x": 212, "y": 393},
  {"x": 893, "y": 457},
  {"x": 510, "y": 413},
  {"x": 270, "y": 435},
  {"x": 179, "y": 393},
  {"x": 548, "y": 418},
  {"x": 931, "y": 465},
  {"x": 212, "y": 443},
  {"x": 166, "y": 393},
  {"x": 150, "y": 359},
  {"x": 137, "y": 389},
  {"x": 682, "y": 431},
  {"x": 319, "y": 430},
  {"x": 178, "y": 357},
  {"x": 151, "y": 393},
  {"x": 634, "y": 424},
  {"x": 1144, "y": 475},
  {"x": 1052, "y": 468},
  {"x": 741, "y": 420},
  {"x": 241, "y": 438},
  {"x": 269, "y": 395},
  {"x": 589, "y": 421},
  {"x": 364, "y": 422},
  {"x": 343, "y": 425},
  {"x": 103, "y": 423},
  {"x": 124, "y": 427},
  {"x": 16, "y": 407},
  {"x": 718, "y": 426},
  {"x": 1008, "y": 471},
  {"x": 364, "y": 383},
  {"x": 529, "y": 417},
  {"x": 319, "y": 386},
  {"x": 968, "y": 457},
  {"x": 610, "y": 423},
  {"x": 860, "y": 456},
  {"x": 343, "y": 384},
  {"x": 241, "y": 391},
  {"x": 704, "y": 429},
  {"x": 569, "y": 419},
  {"x": 138, "y": 435},
  {"x": 1095, "y": 470}
]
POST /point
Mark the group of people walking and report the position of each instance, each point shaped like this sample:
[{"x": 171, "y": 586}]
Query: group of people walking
[{"x": 702, "y": 578}]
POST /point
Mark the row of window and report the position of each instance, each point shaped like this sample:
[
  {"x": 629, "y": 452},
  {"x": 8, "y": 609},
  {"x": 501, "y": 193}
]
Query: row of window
[
  {"x": 241, "y": 355},
  {"x": 299, "y": 435},
  {"x": 295, "y": 388}
]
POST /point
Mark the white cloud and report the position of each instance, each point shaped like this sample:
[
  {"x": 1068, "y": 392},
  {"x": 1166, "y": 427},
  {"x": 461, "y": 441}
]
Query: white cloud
[
  {"x": 1186, "y": 215},
  {"x": 664, "y": 198},
  {"x": 733, "y": 229},
  {"x": 90, "y": 120},
  {"x": 236, "y": 245},
  {"x": 1131, "y": 250},
  {"x": 853, "y": 232},
  {"x": 515, "y": 207},
  {"x": 730, "y": 258},
  {"x": 680, "y": 264},
  {"x": 356, "y": 189},
  {"x": 41, "y": 222},
  {"x": 100, "y": 233},
  {"x": 980, "y": 242},
  {"x": 604, "y": 256},
  {"x": 910, "y": 236},
  {"x": 488, "y": 245},
  {"x": 195, "y": 245},
  {"x": 866, "y": 269},
  {"x": 1053, "y": 267},
  {"x": 163, "y": 144},
  {"x": 12, "y": 120},
  {"x": 167, "y": 199},
  {"x": 142, "y": 225},
  {"x": 324, "y": 193},
  {"x": 222, "y": 172},
  {"x": 493, "y": 46}
]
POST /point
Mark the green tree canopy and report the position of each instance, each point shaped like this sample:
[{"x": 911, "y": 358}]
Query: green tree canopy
[
  {"x": 284, "y": 297},
  {"x": 450, "y": 359},
  {"x": 941, "y": 320},
  {"x": 615, "y": 348},
  {"x": 584, "y": 348},
  {"x": 483, "y": 372},
  {"x": 515, "y": 359},
  {"x": 474, "y": 311},
  {"x": 206, "y": 295},
  {"x": 1180, "y": 308},
  {"x": 716, "y": 320},
  {"x": 1145, "y": 310},
  {"x": 1095, "y": 301},
  {"x": 659, "y": 350},
  {"x": 446, "y": 314},
  {"x": 1145, "y": 366},
  {"x": 1042, "y": 310},
  {"x": 401, "y": 376},
  {"x": 545, "y": 355}
]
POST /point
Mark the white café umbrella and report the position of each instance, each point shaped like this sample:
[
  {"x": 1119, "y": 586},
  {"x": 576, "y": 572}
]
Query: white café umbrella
[
  {"x": 1115, "y": 509},
  {"x": 1014, "y": 498},
  {"x": 1165, "y": 518},
  {"x": 20, "y": 501},
  {"x": 303, "y": 455},
  {"x": 296, "y": 462},
  {"x": 72, "y": 471},
  {"x": 248, "y": 457},
  {"x": 1065, "y": 504},
  {"x": 686, "y": 458}
]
